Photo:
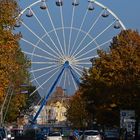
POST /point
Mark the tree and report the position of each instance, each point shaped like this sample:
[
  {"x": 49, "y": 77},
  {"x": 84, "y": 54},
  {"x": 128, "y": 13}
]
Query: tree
[
  {"x": 112, "y": 83},
  {"x": 76, "y": 113},
  {"x": 13, "y": 63}
]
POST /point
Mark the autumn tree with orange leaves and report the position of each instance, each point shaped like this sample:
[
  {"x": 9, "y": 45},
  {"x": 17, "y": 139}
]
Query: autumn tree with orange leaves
[{"x": 13, "y": 63}]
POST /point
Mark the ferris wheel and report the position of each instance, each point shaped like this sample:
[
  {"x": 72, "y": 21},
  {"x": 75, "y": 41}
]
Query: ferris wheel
[{"x": 60, "y": 37}]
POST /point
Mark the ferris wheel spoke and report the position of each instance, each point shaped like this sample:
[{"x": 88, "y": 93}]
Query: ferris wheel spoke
[
  {"x": 74, "y": 83},
  {"x": 65, "y": 79},
  {"x": 106, "y": 42},
  {"x": 39, "y": 56},
  {"x": 47, "y": 34},
  {"x": 87, "y": 52},
  {"x": 49, "y": 15},
  {"x": 78, "y": 32},
  {"x": 40, "y": 62},
  {"x": 92, "y": 50},
  {"x": 44, "y": 68},
  {"x": 93, "y": 25},
  {"x": 83, "y": 63},
  {"x": 38, "y": 103},
  {"x": 54, "y": 69},
  {"x": 82, "y": 31},
  {"x": 44, "y": 82},
  {"x": 62, "y": 21},
  {"x": 95, "y": 38},
  {"x": 34, "y": 77},
  {"x": 25, "y": 40},
  {"x": 77, "y": 70},
  {"x": 68, "y": 79},
  {"x": 40, "y": 40},
  {"x": 81, "y": 67},
  {"x": 72, "y": 18},
  {"x": 87, "y": 58},
  {"x": 60, "y": 80}
]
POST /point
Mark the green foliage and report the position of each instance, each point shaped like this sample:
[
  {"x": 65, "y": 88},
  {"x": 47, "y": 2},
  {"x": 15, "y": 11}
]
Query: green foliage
[{"x": 112, "y": 83}]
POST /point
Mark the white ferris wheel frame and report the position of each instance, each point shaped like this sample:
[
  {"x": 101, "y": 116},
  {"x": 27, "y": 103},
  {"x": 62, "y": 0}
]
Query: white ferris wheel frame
[{"x": 94, "y": 1}]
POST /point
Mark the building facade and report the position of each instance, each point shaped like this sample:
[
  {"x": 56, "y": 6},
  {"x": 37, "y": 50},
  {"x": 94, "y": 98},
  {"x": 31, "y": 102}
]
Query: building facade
[{"x": 54, "y": 112}]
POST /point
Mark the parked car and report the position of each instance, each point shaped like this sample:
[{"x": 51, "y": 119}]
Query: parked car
[
  {"x": 42, "y": 135},
  {"x": 77, "y": 134},
  {"x": 91, "y": 135},
  {"x": 5, "y": 135},
  {"x": 111, "y": 135},
  {"x": 80, "y": 134},
  {"x": 17, "y": 132},
  {"x": 54, "y": 136}
]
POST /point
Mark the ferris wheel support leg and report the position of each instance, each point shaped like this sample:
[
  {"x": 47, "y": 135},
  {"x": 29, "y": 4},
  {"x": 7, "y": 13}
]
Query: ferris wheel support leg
[
  {"x": 46, "y": 98},
  {"x": 74, "y": 76}
]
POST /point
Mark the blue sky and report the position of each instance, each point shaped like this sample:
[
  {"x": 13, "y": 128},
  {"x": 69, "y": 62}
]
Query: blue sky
[{"x": 127, "y": 10}]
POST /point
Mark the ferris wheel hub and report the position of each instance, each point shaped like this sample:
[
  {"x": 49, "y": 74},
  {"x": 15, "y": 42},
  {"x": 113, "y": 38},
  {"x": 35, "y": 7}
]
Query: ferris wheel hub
[
  {"x": 66, "y": 64},
  {"x": 67, "y": 60}
]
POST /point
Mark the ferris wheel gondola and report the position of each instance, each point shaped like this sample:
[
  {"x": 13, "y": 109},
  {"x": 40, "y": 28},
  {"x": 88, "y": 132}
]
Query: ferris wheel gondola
[
  {"x": 117, "y": 25},
  {"x": 59, "y": 2},
  {"x": 91, "y": 6},
  {"x": 105, "y": 13},
  {"x": 18, "y": 24},
  {"x": 75, "y": 2},
  {"x": 29, "y": 12},
  {"x": 43, "y": 5}
]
